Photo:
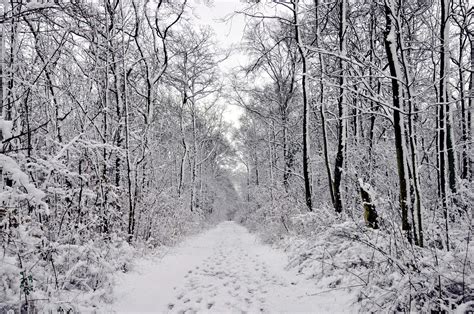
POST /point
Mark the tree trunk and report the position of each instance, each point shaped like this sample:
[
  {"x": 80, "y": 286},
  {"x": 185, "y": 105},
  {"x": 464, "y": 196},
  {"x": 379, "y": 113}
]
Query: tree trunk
[
  {"x": 341, "y": 104},
  {"x": 124, "y": 104},
  {"x": 194, "y": 155},
  {"x": 299, "y": 42},
  {"x": 390, "y": 39},
  {"x": 470, "y": 108},
  {"x": 322, "y": 109},
  {"x": 411, "y": 135},
  {"x": 183, "y": 143},
  {"x": 370, "y": 213},
  {"x": 444, "y": 129},
  {"x": 462, "y": 99}
]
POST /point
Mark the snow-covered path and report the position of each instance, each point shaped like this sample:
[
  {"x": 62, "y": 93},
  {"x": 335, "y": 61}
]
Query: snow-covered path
[{"x": 225, "y": 269}]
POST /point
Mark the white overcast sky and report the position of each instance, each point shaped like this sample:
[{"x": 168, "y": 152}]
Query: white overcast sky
[
  {"x": 229, "y": 30},
  {"x": 212, "y": 14}
]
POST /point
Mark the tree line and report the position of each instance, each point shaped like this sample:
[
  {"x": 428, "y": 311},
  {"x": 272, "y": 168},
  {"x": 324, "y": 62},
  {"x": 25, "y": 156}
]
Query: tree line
[
  {"x": 361, "y": 106},
  {"x": 109, "y": 128}
]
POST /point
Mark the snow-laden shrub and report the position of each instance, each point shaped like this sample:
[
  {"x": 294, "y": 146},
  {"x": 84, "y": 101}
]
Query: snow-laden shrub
[
  {"x": 66, "y": 257},
  {"x": 52, "y": 275},
  {"x": 268, "y": 215},
  {"x": 311, "y": 223},
  {"x": 379, "y": 268},
  {"x": 164, "y": 218}
]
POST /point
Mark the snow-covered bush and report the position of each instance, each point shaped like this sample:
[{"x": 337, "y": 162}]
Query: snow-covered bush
[
  {"x": 269, "y": 213},
  {"x": 40, "y": 274},
  {"x": 165, "y": 218},
  {"x": 383, "y": 270}
]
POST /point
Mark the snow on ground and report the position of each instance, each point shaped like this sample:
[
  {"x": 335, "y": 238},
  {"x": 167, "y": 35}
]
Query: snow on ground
[{"x": 225, "y": 269}]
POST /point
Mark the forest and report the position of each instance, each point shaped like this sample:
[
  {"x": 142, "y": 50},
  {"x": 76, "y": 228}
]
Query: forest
[{"x": 349, "y": 150}]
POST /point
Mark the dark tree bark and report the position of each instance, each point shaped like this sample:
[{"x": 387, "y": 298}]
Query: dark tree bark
[
  {"x": 341, "y": 104},
  {"x": 322, "y": 110},
  {"x": 470, "y": 107},
  {"x": 390, "y": 40},
  {"x": 299, "y": 42},
  {"x": 370, "y": 212},
  {"x": 444, "y": 128}
]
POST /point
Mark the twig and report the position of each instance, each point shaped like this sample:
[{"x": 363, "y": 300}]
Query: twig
[{"x": 340, "y": 288}]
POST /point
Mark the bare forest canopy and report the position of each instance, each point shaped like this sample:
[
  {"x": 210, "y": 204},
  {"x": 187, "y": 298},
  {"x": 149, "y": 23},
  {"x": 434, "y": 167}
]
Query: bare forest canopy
[{"x": 113, "y": 128}]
